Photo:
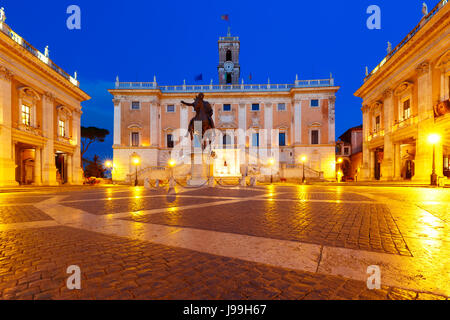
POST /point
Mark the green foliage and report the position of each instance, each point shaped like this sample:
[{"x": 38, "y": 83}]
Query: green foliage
[
  {"x": 94, "y": 169},
  {"x": 90, "y": 135}
]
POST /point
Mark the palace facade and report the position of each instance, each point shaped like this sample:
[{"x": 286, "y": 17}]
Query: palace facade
[
  {"x": 40, "y": 110},
  {"x": 406, "y": 102},
  {"x": 296, "y": 120}
]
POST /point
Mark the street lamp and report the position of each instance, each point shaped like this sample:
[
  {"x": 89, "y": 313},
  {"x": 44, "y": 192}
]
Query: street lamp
[
  {"x": 339, "y": 174},
  {"x": 271, "y": 163},
  {"x": 303, "y": 159},
  {"x": 172, "y": 163},
  {"x": 434, "y": 139},
  {"x": 136, "y": 161},
  {"x": 109, "y": 165}
]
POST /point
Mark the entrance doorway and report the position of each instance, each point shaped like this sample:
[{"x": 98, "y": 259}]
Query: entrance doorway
[
  {"x": 379, "y": 155},
  {"x": 25, "y": 164},
  {"x": 61, "y": 167}
]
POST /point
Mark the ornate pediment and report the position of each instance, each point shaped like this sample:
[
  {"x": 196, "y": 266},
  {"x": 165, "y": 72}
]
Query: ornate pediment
[
  {"x": 226, "y": 119},
  {"x": 29, "y": 95},
  {"x": 444, "y": 61},
  {"x": 403, "y": 87}
]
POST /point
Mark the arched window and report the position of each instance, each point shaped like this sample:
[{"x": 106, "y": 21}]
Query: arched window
[
  {"x": 229, "y": 56},
  {"x": 226, "y": 140}
]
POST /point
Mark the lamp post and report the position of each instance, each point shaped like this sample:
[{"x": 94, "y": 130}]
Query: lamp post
[
  {"x": 434, "y": 139},
  {"x": 136, "y": 162},
  {"x": 172, "y": 163},
  {"x": 110, "y": 166},
  {"x": 303, "y": 159},
  {"x": 271, "y": 163},
  {"x": 339, "y": 169}
]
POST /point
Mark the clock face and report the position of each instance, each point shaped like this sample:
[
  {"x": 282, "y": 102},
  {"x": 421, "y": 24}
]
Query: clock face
[{"x": 228, "y": 66}]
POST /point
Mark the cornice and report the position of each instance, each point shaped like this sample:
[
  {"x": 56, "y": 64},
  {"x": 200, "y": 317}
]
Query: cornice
[{"x": 14, "y": 49}]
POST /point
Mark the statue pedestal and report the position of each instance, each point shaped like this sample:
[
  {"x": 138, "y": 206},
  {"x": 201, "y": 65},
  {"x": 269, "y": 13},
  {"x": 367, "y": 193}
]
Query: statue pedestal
[{"x": 199, "y": 170}]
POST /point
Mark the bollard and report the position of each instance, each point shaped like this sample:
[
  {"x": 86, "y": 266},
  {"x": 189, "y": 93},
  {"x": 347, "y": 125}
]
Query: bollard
[{"x": 212, "y": 182}]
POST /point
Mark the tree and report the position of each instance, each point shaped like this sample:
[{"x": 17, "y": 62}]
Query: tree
[
  {"x": 94, "y": 169},
  {"x": 91, "y": 135}
]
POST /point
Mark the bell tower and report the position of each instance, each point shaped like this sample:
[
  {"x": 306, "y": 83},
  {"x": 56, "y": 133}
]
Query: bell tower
[{"x": 229, "y": 68}]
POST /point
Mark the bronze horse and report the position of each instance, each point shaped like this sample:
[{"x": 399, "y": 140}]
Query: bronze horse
[{"x": 203, "y": 113}]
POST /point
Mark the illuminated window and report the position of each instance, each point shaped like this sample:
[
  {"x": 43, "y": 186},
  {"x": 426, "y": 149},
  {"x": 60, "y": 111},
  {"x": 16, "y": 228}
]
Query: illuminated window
[
  {"x": 377, "y": 124},
  {"x": 62, "y": 128},
  {"x": 135, "y": 139},
  {"x": 407, "y": 109},
  {"x": 26, "y": 115}
]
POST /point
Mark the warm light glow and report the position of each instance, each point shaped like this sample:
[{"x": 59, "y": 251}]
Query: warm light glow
[
  {"x": 340, "y": 160},
  {"x": 108, "y": 164},
  {"x": 136, "y": 160},
  {"x": 172, "y": 163},
  {"x": 434, "y": 138},
  {"x": 271, "y": 162},
  {"x": 303, "y": 159}
]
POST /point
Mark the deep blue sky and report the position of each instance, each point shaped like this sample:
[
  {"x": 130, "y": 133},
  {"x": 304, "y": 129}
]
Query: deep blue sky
[{"x": 177, "y": 40}]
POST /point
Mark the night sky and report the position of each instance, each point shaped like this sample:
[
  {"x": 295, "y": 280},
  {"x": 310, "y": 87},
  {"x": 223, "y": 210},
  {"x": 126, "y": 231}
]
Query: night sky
[{"x": 177, "y": 40}]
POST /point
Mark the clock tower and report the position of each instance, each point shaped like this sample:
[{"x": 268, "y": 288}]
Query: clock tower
[{"x": 229, "y": 68}]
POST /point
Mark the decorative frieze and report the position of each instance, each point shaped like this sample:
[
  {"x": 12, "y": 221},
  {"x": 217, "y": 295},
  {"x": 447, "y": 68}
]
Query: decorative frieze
[
  {"x": 423, "y": 68},
  {"x": 5, "y": 73},
  {"x": 49, "y": 97}
]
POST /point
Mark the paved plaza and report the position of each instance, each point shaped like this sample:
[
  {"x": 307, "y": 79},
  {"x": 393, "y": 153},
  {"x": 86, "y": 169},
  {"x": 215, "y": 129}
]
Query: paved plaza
[{"x": 265, "y": 242}]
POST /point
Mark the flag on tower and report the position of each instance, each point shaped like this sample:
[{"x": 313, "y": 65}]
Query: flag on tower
[{"x": 226, "y": 17}]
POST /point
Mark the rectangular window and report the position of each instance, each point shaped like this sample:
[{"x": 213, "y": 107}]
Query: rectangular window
[
  {"x": 282, "y": 139},
  {"x": 227, "y": 107},
  {"x": 135, "y": 139},
  {"x": 170, "y": 142},
  {"x": 407, "y": 109},
  {"x": 314, "y": 103},
  {"x": 314, "y": 136},
  {"x": 135, "y": 105},
  {"x": 377, "y": 123},
  {"x": 255, "y": 107},
  {"x": 26, "y": 115},
  {"x": 255, "y": 140},
  {"x": 281, "y": 107},
  {"x": 62, "y": 128},
  {"x": 171, "y": 109},
  {"x": 346, "y": 151}
]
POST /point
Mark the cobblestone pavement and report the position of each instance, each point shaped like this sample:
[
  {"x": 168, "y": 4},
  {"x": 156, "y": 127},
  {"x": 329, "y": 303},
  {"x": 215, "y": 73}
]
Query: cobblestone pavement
[{"x": 133, "y": 243}]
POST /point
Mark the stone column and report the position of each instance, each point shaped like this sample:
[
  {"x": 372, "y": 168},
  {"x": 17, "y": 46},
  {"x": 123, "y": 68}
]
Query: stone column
[
  {"x": 332, "y": 120},
  {"x": 365, "y": 170},
  {"x": 154, "y": 125},
  {"x": 424, "y": 151},
  {"x": 48, "y": 152},
  {"x": 69, "y": 169},
  {"x": 7, "y": 163},
  {"x": 37, "y": 167},
  {"x": 75, "y": 161},
  {"x": 397, "y": 162},
  {"x": 117, "y": 122},
  {"x": 387, "y": 167},
  {"x": 298, "y": 122},
  {"x": 242, "y": 136}
]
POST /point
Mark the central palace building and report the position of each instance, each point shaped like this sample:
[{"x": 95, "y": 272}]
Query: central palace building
[{"x": 299, "y": 119}]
